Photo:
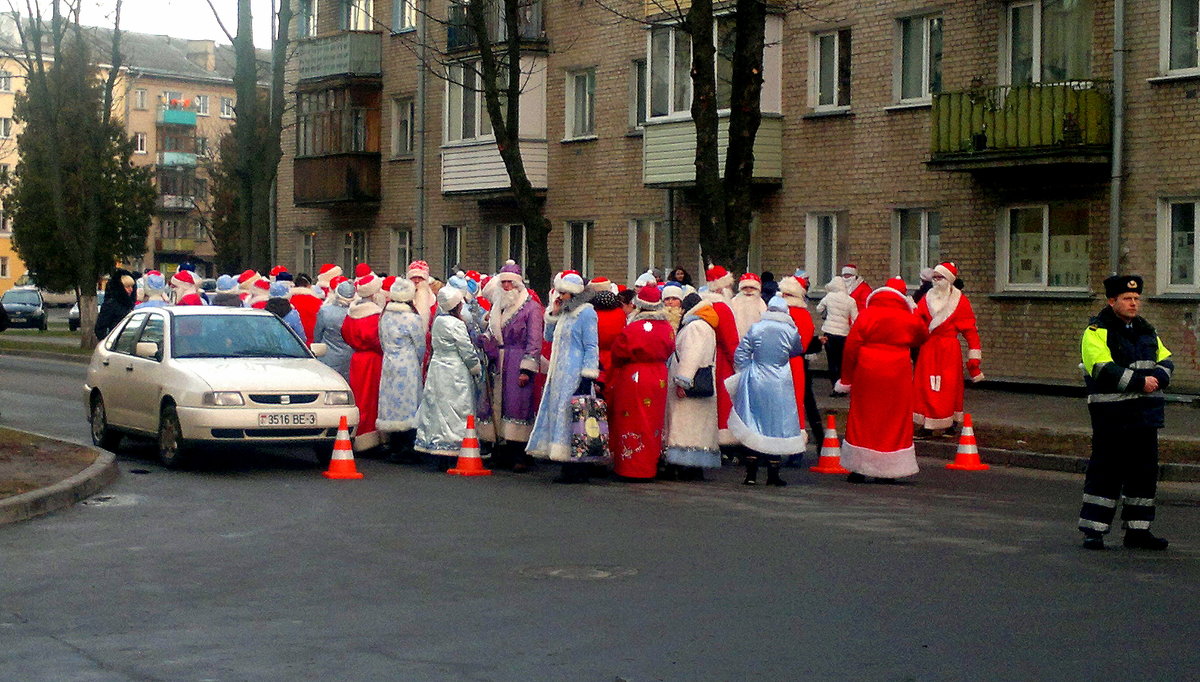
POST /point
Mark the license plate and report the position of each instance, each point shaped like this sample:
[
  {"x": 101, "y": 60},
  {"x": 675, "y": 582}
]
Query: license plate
[
  {"x": 287, "y": 418},
  {"x": 17, "y": 319}
]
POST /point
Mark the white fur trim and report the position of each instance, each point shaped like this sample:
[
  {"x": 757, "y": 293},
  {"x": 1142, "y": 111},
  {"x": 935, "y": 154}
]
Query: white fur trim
[
  {"x": 770, "y": 445},
  {"x": 977, "y": 378},
  {"x": 589, "y": 373},
  {"x": 841, "y": 388},
  {"x": 792, "y": 286},
  {"x": 975, "y": 354},
  {"x": 945, "y": 272},
  {"x": 565, "y": 287},
  {"x": 395, "y": 426},
  {"x": 726, "y": 437},
  {"x": 721, "y": 283},
  {"x": 870, "y": 462},
  {"x": 922, "y": 421},
  {"x": 529, "y": 364},
  {"x": 366, "y": 441},
  {"x": 902, "y": 294},
  {"x": 364, "y": 308},
  {"x": 946, "y": 311}
]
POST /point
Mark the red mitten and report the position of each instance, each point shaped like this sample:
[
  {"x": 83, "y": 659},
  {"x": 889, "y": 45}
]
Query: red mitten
[{"x": 975, "y": 369}]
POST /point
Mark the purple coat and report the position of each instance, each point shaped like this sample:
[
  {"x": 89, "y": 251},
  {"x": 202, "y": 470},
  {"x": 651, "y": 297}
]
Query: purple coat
[{"x": 513, "y": 342}]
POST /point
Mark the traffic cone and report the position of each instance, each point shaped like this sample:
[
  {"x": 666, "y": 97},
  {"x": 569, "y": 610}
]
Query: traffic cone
[
  {"x": 967, "y": 457},
  {"x": 341, "y": 465},
  {"x": 830, "y": 461},
  {"x": 470, "y": 463}
]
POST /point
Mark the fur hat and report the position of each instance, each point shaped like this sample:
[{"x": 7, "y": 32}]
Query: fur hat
[
  {"x": 648, "y": 298},
  {"x": 717, "y": 277},
  {"x": 448, "y": 298},
  {"x": 368, "y": 285},
  {"x": 276, "y": 270},
  {"x": 569, "y": 283},
  {"x": 401, "y": 290},
  {"x": 279, "y": 290},
  {"x": 362, "y": 270},
  {"x": 1122, "y": 284},
  {"x": 750, "y": 281},
  {"x": 344, "y": 290},
  {"x": 184, "y": 279},
  {"x": 673, "y": 290},
  {"x": 418, "y": 268},
  {"x": 284, "y": 276},
  {"x": 336, "y": 281},
  {"x": 947, "y": 270},
  {"x": 327, "y": 272},
  {"x": 154, "y": 282},
  {"x": 896, "y": 286},
  {"x": 226, "y": 284},
  {"x": 645, "y": 279},
  {"x": 793, "y": 286},
  {"x": 261, "y": 286},
  {"x": 850, "y": 269},
  {"x": 777, "y": 303},
  {"x": 247, "y": 279}
]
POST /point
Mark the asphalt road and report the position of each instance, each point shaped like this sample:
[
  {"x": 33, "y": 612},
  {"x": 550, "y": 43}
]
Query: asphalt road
[{"x": 260, "y": 569}]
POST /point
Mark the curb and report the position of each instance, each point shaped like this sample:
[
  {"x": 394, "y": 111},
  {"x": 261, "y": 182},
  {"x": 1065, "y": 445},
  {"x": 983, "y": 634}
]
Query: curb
[
  {"x": 46, "y": 355},
  {"x": 63, "y": 494},
  {"x": 1168, "y": 471}
]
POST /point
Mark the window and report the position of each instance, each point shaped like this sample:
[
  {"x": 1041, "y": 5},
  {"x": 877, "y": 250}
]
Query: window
[
  {"x": 126, "y": 340},
  {"x": 354, "y": 250},
  {"x": 356, "y": 15},
  {"x": 202, "y": 146},
  {"x": 509, "y": 243},
  {"x": 139, "y": 98},
  {"x": 826, "y": 246},
  {"x": 649, "y": 246},
  {"x": 670, "y": 72},
  {"x": 1049, "y": 41},
  {"x": 202, "y": 105},
  {"x": 918, "y": 241},
  {"x": 5, "y": 221},
  {"x": 4, "y": 267},
  {"x": 306, "y": 19},
  {"x": 306, "y": 254},
  {"x": 139, "y": 143},
  {"x": 5, "y": 128},
  {"x": 172, "y": 96},
  {"x": 337, "y": 121},
  {"x": 1046, "y": 247},
  {"x": 5, "y": 81},
  {"x": 829, "y": 75},
  {"x": 637, "y": 98},
  {"x": 401, "y": 251},
  {"x": 404, "y": 16},
  {"x": 1179, "y": 250},
  {"x": 920, "y": 58},
  {"x": 200, "y": 189},
  {"x": 226, "y": 107},
  {"x": 451, "y": 249},
  {"x": 201, "y": 232},
  {"x": 581, "y": 103},
  {"x": 466, "y": 115},
  {"x": 402, "y": 127},
  {"x": 578, "y": 247},
  {"x": 1180, "y": 35}
]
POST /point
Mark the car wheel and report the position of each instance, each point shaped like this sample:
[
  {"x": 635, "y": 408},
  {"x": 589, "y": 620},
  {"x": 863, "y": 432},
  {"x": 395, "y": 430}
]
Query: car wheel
[
  {"x": 172, "y": 450},
  {"x": 73, "y": 325},
  {"x": 44, "y": 326},
  {"x": 103, "y": 435},
  {"x": 324, "y": 453}
]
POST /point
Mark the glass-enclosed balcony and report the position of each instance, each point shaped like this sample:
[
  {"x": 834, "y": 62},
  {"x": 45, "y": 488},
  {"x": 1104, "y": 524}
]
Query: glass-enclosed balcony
[{"x": 349, "y": 53}]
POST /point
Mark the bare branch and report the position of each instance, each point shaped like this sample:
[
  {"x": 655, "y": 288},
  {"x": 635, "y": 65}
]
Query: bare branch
[{"x": 220, "y": 23}]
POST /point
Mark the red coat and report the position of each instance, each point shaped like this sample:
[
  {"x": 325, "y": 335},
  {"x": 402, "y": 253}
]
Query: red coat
[
  {"x": 609, "y": 324},
  {"x": 306, "y": 304},
  {"x": 860, "y": 294},
  {"x": 727, "y": 343},
  {"x": 360, "y": 329},
  {"x": 938, "y": 379},
  {"x": 877, "y": 364},
  {"x": 637, "y": 396},
  {"x": 804, "y": 326}
]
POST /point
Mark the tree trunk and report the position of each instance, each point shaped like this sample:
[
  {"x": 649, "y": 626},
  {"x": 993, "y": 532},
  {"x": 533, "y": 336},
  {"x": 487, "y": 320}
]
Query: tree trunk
[
  {"x": 745, "y": 115},
  {"x": 708, "y": 193},
  {"x": 246, "y": 89}
]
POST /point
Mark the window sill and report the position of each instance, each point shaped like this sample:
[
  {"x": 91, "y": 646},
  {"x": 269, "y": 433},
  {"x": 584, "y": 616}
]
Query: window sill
[
  {"x": 402, "y": 157},
  {"x": 1181, "y": 76},
  {"x": 1177, "y": 297},
  {"x": 584, "y": 138},
  {"x": 406, "y": 29},
  {"x": 843, "y": 112},
  {"x": 908, "y": 106},
  {"x": 1042, "y": 295}
]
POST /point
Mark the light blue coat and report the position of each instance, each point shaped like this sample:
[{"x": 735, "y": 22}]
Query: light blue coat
[
  {"x": 574, "y": 354},
  {"x": 765, "y": 416},
  {"x": 328, "y": 331},
  {"x": 450, "y": 388},
  {"x": 402, "y": 335}
]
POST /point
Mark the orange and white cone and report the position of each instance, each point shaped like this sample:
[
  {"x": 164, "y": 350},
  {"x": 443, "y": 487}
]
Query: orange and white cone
[
  {"x": 470, "y": 462},
  {"x": 967, "y": 456},
  {"x": 830, "y": 461},
  {"x": 341, "y": 465}
]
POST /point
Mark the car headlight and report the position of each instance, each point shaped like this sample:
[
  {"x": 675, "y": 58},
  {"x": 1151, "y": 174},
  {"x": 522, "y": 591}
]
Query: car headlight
[
  {"x": 339, "y": 398},
  {"x": 223, "y": 398}
]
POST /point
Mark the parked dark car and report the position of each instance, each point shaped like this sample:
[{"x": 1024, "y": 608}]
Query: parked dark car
[{"x": 25, "y": 308}]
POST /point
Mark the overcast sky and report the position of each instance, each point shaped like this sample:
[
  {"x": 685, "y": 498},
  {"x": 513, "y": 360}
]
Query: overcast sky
[{"x": 179, "y": 18}]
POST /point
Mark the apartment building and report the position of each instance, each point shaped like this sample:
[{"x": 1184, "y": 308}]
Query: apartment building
[
  {"x": 895, "y": 134},
  {"x": 176, "y": 98}
]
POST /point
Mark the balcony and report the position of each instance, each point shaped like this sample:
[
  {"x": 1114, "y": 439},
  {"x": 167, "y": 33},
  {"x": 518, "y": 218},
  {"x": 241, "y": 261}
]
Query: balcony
[
  {"x": 179, "y": 244},
  {"x": 349, "y": 54},
  {"x": 177, "y": 159},
  {"x": 669, "y": 151},
  {"x": 336, "y": 178},
  {"x": 176, "y": 202},
  {"x": 176, "y": 117},
  {"x": 477, "y": 167},
  {"x": 460, "y": 36},
  {"x": 1039, "y": 124}
]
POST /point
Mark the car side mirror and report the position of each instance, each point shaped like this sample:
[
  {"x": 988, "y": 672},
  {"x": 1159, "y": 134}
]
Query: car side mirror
[
  {"x": 147, "y": 349},
  {"x": 319, "y": 349}
]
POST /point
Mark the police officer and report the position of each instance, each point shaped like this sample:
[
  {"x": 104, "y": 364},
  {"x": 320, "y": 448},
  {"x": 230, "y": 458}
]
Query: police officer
[{"x": 1126, "y": 367}]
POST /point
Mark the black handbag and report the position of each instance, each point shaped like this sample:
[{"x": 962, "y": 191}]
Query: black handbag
[{"x": 702, "y": 384}]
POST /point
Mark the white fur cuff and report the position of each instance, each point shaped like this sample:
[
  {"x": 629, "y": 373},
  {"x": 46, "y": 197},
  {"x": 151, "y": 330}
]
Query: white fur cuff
[
  {"x": 590, "y": 374},
  {"x": 839, "y": 387},
  {"x": 975, "y": 354}
]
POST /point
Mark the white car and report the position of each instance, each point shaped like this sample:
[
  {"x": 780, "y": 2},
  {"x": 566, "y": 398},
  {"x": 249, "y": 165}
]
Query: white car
[{"x": 199, "y": 378}]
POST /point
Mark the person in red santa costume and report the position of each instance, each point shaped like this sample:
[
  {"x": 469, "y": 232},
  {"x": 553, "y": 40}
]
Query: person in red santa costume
[
  {"x": 360, "y": 330},
  {"x": 307, "y": 303},
  {"x": 610, "y": 322},
  {"x": 794, "y": 290},
  {"x": 324, "y": 280},
  {"x": 939, "y": 376},
  {"x": 877, "y": 372},
  {"x": 637, "y": 389},
  {"x": 246, "y": 282},
  {"x": 717, "y": 292},
  {"x": 856, "y": 287},
  {"x": 185, "y": 285},
  {"x": 260, "y": 293},
  {"x": 748, "y": 306}
]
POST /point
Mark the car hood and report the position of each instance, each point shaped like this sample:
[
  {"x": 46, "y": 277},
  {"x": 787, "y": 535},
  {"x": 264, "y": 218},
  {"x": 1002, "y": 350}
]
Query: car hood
[{"x": 264, "y": 374}]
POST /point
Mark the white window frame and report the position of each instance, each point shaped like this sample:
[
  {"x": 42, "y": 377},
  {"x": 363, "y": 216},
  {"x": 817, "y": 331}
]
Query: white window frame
[
  {"x": 202, "y": 105},
  {"x": 812, "y": 247},
  {"x": 355, "y": 15},
  {"x": 139, "y": 143},
  {"x": 404, "y": 16},
  {"x": 673, "y": 112},
  {"x": 227, "y": 108},
  {"x": 6, "y": 128},
  {"x": 639, "y": 93},
  {"x": 400, "y": 240},
  {"x": 306, "y": 253},
  {"x": 588, "y": 227},
  {"x": 449, "y": 266},
  {"x": 636, "y": 263},
  {"x": 502, "y": 247},
  {"x": 1163, "y": 270},
  {"x": 1164, "y": 39},
  {"x": 172, "y": 95},
  {"x": 456, "y": 90},
  {"x": 306, "y": 18},
  {"x": 1006, "y": 56},
  {"x": 355, "y": 247},
  {"x": 4, "y": 267},
  {"x": 927, "y": 21},
  {"x": 924, "y": 259},
  {"x": 402, "y": 141},
  {"x": 814, "y": 71},
  {"x": 139, "y": 99},
  {"x": 573, "y": 104},
  {"x": 6, "y": 81},
  {"x": 1003, "y": 253}
]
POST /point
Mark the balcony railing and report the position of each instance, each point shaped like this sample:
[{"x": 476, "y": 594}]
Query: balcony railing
[
  {"x": 336, "y": 178},
  {"x": 1035, "y": 123},
  {"x": 176, "y": 202},
  {"x": 179, "y": 117},
  {"x": 459, "y": 33},
  {"x": 174, "y": 244},
  {"x": 349, "y": 53},
  {"x": 176, "y": 159}
]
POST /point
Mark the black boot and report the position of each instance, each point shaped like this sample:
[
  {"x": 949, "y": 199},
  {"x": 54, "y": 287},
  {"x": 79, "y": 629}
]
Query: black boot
[
  {"x": 856, "y": 478},
  {"x": 751, "y": 471},
  {"x": 1093, "y": 539},
  {"x": 773, "y": 476},
  {"x": 572, "y": 473},
  {"x": 1144, "y": 539}
]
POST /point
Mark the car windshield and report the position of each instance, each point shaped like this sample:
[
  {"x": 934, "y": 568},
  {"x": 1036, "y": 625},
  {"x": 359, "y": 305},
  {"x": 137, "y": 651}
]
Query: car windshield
[
  {"x": 26, "y": 297},
  {"x": 233, "y": 336}
]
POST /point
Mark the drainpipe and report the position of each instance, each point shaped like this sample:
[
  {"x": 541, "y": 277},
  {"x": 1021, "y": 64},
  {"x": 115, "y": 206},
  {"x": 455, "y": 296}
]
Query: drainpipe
[
  {"x": 1118, "y": 138},
  {"x": 422, "y": 74},
  {"x": 669, "y": 209}
]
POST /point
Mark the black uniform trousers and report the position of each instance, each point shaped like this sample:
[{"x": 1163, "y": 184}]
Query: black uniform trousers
[{"x": 1124, "y": 462}]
